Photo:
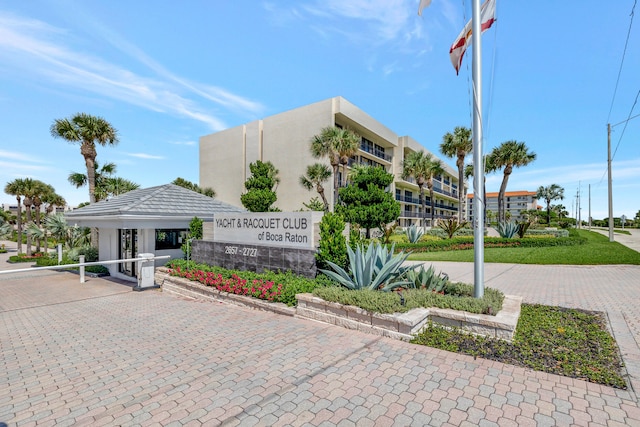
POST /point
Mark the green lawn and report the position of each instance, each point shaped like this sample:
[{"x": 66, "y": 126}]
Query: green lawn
[{"x": 596, "y": 251}]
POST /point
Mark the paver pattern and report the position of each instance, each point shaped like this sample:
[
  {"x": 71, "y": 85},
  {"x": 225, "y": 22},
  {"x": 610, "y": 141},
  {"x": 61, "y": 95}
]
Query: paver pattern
[{"x": 100, "y": 354}]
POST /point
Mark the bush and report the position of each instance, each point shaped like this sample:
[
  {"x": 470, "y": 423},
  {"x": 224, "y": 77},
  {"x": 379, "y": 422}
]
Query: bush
[
  {"x": 35, "y": 256},
  {"x": 270, "y": 286},
  {"x": 333, "y": 245},
  {"x": 461, "y": 243},
  {"x": 457, "y": 296}
]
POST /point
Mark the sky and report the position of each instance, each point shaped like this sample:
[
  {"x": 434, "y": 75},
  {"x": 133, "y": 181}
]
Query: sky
[{"x": 165, "y": 73}]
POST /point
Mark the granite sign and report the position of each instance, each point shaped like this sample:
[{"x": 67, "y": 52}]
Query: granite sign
[
  {"x": 278, "y": 229},
  {"x": 275, "y": 241}
]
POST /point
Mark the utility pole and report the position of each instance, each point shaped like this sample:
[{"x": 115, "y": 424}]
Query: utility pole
[
  {"x": 579, "y": 206},
  {"x": 589, "y": 207},
  {"x": 609, "y": 181}
]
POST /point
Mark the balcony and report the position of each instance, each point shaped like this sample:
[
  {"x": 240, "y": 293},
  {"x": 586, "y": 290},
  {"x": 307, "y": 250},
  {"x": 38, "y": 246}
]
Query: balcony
[
  {"x": 416, "y": 201},
  {"x": 376, "y": 152}
]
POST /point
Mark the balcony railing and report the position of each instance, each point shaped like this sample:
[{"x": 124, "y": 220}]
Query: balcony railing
[
  {"x": 375, "y": 152},
  {"x": 453, "y": 193},
  {"x": 419, "y": 215},
  {"x": 427, "y": 203}
]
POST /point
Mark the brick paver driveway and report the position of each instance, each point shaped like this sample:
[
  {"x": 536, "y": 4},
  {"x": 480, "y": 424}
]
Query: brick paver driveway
[{"x": 99, "y": 354}]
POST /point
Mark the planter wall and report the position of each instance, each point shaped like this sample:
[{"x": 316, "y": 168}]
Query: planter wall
[{"x": 400, "y": 326}]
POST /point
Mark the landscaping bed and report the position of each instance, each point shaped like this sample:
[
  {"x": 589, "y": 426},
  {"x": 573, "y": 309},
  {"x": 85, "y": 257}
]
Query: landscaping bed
[{"x": 572, "y": 343}]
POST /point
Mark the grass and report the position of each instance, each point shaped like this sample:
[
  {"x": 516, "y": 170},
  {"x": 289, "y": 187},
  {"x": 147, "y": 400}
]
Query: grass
[
  {"x": 569, "y": 342},
  {"x": 597, "y": 250}
]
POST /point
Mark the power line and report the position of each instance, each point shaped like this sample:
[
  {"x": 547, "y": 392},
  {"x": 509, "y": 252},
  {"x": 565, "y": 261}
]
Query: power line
[
  {"x": 626, "y": 122},
  {"x": 624, "y": 52}
]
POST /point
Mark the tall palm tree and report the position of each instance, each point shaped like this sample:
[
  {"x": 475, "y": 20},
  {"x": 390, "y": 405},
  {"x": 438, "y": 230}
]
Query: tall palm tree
[
  {"x": 434, "y": 168},
  {"x": 489, "y": 167},
  {"x": 549, "y": 194},
  {"x": 17, "y": 188},
  {"x": 317, "y": 173},
  {"x": 42, "y": 191},
  {"x": 101, "y": 174},
  {"x": 414, "y": 166},
  {"x": 86, "y": 130},
  {"x": 508, "y": 155},
  {"x": 423, "y": 168},
  {"x": 336, "y": 144},
  {"x": 457, "y": 145},
  {"x": 30, "y": 191}
]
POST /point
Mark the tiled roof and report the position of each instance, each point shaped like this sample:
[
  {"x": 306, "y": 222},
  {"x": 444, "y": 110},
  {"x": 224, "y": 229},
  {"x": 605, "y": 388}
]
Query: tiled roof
[
  {"x": 506, "y": 194},
  {"x": 167, "y": 200}
]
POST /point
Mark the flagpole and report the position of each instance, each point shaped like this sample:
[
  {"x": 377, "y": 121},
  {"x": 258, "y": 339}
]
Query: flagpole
[{"x": 478, "y": 160}]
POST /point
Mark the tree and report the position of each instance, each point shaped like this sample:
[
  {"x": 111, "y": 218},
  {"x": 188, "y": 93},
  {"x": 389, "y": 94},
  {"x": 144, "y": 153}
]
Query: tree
[
  {"x": 549, "y": 194},
  {"x": 366, "y": 201},
  {"x": 42, "y": 191},
  {"x": 336, "y": 144},
  {"x": 107, "y": 185},
  {"x": 458, "y": 145},
  {"x": 433, "y": 168},
  {"x": 207, "y": 191},
  {"x": 317, "y": 173},
  {"x": 489, "y": 167},
  {"x": 87, "y": 131},
  {"x": 17, "y": 188},
  {"x": 260, "y": 185},
  {"x": 31, "y": 188},
  {"x": 415, "y": 166},
  {"x": 508, "y": 155}
]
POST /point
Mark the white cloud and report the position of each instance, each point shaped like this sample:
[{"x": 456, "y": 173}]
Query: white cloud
[
  {"x": 30, "y": 47},
  {"x": 188, "y": 143},
  {"x": 144, "y": 156},
  {"x": 13, "y": 155}
]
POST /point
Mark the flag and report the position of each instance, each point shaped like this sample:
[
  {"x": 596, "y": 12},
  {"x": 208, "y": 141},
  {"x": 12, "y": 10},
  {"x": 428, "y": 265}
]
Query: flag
[
  {"x": 423, "y": 4},
  {"x": 487, "y": 18}
]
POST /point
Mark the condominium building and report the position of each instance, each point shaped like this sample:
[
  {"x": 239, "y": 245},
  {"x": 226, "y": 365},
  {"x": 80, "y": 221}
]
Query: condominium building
[
  {"x": 515, "y": 203},
  {"x": 284, "y": 139}
]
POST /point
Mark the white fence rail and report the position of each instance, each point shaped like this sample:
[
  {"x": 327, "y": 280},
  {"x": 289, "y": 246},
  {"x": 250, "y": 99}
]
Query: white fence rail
[{"x": 143, "y": 260}]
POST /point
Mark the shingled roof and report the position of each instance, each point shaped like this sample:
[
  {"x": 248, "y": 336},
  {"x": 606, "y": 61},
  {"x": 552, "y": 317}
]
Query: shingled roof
[{"x": 167, "y": 200}]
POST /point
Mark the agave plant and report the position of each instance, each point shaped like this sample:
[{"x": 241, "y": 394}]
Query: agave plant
[
  {"x": 427, "y": 279},
  {"x": 414, "y": 233},
  {"x": 507, "y": 229},
  {"x": 376, "y": 268}
]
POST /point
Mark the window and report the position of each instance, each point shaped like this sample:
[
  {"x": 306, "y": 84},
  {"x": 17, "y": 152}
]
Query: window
[{"x": 170, "y": 238}]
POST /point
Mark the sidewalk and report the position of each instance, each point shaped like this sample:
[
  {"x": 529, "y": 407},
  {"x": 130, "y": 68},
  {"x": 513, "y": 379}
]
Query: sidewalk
[{"x": 99, "y": 354}]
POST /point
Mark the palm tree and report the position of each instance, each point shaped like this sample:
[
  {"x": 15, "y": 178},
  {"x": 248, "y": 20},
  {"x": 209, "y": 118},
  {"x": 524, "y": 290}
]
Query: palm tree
[
  {"x": 434, "y": 168},
  {"x": 207, "y": 191},
  {"x": 30, "y": 191},
  {"x": 423, "y": 168},
  {"x": 337, "y": 144},
  {"x": 102, "y": 173},
  {"x": 16, "y": 188},
  {"x": 114, "y": 186},
  {"x": 489, "y": 167},
  {"x": 458, "y": 145},
  {"x": 42, "y": 191},
  {"x": 508, "y": 155},
  {"x": 414, "y": 166},
  {"x": 549, "y": 194},
  {"x": 87, "y": 130},
  {"x": 317, "y": 173}
]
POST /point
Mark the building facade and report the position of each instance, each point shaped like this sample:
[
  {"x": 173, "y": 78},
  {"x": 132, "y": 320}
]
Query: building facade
[
  {"x": 284, "y": 139},
  {"x": 515, "y": 203}
]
